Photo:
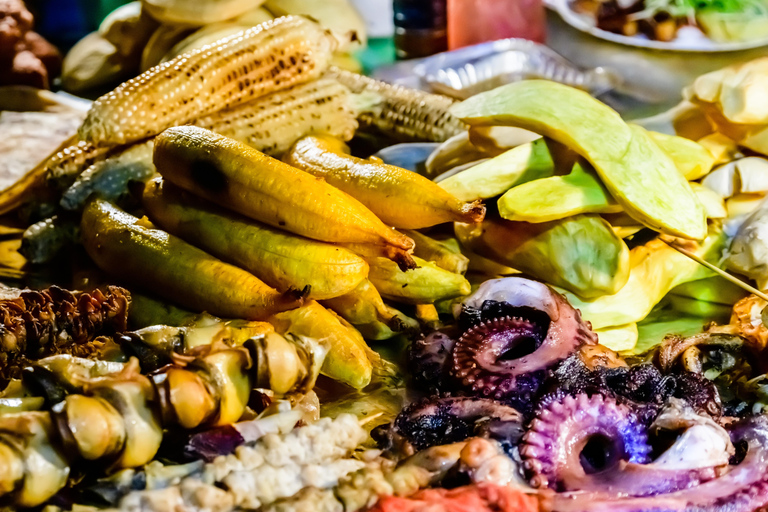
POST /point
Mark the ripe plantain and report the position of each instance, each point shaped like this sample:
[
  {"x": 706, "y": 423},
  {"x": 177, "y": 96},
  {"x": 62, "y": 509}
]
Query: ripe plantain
[
  {"x": 425, "y": 284},
  {"x": 121, "y": 245},
  {"x": 401, "y": 198},
  {"x": 364, "y": 308},
  {"x": 445, "y": 254},
  {"x": 348, "y": 358},
  {"x": 245, "y": 180},
  {"x": 282, "y": 260}
]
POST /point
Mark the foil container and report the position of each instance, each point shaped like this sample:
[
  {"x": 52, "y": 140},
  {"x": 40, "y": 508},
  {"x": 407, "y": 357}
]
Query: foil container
[{"x": 466, "y": 71}]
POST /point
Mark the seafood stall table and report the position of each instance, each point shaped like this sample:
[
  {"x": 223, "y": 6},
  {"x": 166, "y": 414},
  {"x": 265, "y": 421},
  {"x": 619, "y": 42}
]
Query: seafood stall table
[{"x": 250, "y": 278}]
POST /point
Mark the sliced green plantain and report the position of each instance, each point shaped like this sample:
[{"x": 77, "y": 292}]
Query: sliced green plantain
[
  {"x": 693, "y": 160},
  {"x": 579, "y": 253},
  {"x": 524, "y": 163},
  {"x": 637, "y": 173},
  {"x": 558, "y": 197},
  {"x": 656, "y": 269},
  {"x": 713, "y": 204}
]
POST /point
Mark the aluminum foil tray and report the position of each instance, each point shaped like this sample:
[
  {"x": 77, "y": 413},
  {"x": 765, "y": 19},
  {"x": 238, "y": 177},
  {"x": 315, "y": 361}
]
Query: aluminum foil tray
[{"x": 467, "y": 71}]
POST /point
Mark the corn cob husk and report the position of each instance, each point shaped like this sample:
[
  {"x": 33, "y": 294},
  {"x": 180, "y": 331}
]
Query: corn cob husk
[
  {"x": 269, "y": 57},
  {"x": 404, "y": 113},
  {"x": 36, "y": 324}
]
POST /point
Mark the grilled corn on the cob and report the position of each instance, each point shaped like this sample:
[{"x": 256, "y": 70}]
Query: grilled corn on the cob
[
  {"x": 270, "y": 124},
  {"x": 405, "y": 113},
  {"x": 65, "y": 165},
  {"x": 272, "y": 56},
  {"x": 273, "y": 123}
]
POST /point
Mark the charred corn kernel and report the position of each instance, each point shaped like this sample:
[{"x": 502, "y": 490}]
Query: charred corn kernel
[
  {"x": 280, "y": 259},
  {"x": 347, "y": 360},
  {"x": 249, "y": 182},
  {"x": 271, "y": 124},
  {"x": 109, "y": 178},
  {"x": 425, "y": 284},
  {"x": 120, "y": 245},
  {"x": 44, "y": 240},
  {"x": 62, "y": 168},
  {"x": 443, "y": 253},
  {"x": 274, "y": 55},
  {"x": 401, "y": 198},
  {"x": 402, "y": 112},
  {"x": 364, "y": 308}
]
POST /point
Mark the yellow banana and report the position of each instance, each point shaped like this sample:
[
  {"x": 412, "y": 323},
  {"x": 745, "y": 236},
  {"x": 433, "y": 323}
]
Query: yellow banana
[
  {"x": 280, "y": 259},
  {"x": 121, "y": 246},
  {"x": 445, "y": 254},
  {"x": 247, "y": 181},
  {"x": 347, "y": 360},
  {"x": 364, "y": 308},
  {"x": 400, "y": 198},
  {"x": 425, "y": 284}
]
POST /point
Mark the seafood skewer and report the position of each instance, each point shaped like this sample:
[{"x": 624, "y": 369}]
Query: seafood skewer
[{"x": 118, "y": 418}]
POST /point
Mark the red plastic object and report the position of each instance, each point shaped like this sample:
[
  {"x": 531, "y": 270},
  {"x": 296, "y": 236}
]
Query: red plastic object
[{"x": 476, "y": 21}]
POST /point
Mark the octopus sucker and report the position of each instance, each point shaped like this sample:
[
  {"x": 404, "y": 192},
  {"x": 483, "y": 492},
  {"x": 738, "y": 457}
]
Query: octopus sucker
[
  {"x": 742, "y": 487},
  {"x": 516, "y": 332},
  {"x": 493, "y": 346},
  {"x": 575, "y": 436}
]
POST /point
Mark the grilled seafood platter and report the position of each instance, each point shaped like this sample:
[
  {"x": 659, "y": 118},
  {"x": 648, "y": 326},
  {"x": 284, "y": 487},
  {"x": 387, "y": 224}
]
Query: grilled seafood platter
[{"x": 231, "y": 301}]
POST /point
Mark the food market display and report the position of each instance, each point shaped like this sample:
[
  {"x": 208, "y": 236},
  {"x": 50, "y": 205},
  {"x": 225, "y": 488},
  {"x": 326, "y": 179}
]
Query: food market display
[
  {"x": 251, "y": 312},
  {"x": 722, "y": 21}
]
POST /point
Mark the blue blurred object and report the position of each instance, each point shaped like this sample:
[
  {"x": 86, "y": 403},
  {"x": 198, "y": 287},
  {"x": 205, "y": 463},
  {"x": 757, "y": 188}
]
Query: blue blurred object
[
  {"x": 411, "y": 155},
  {"x": 65, "y": 22}
]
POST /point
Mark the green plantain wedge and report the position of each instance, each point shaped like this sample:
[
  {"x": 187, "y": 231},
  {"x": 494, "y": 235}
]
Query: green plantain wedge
[
  {"x": 637, "y": 173},
  {"x": 580, "y": 253},
  {"x": 558, "y": 197},
  {"x": 524, "y": 163},
  {"x": 693, "y": 160}
]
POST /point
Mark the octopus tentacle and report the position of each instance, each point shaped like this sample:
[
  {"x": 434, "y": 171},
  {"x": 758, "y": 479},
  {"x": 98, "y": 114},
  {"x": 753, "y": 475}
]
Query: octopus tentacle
[
  {"x": 485, "y": 355},
  {"x": 428, "y": 359},
  {"x": 508, "y": 357},
  {"x": 743, "y": 487},
  {"x": 575, "y": 436},
  {"x": 448, "y": 419}
]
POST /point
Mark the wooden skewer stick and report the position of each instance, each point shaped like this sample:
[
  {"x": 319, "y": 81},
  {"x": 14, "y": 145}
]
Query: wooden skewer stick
[
  {"x": 722, "y": 273},
  {"x": 370, "y": 418}
]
